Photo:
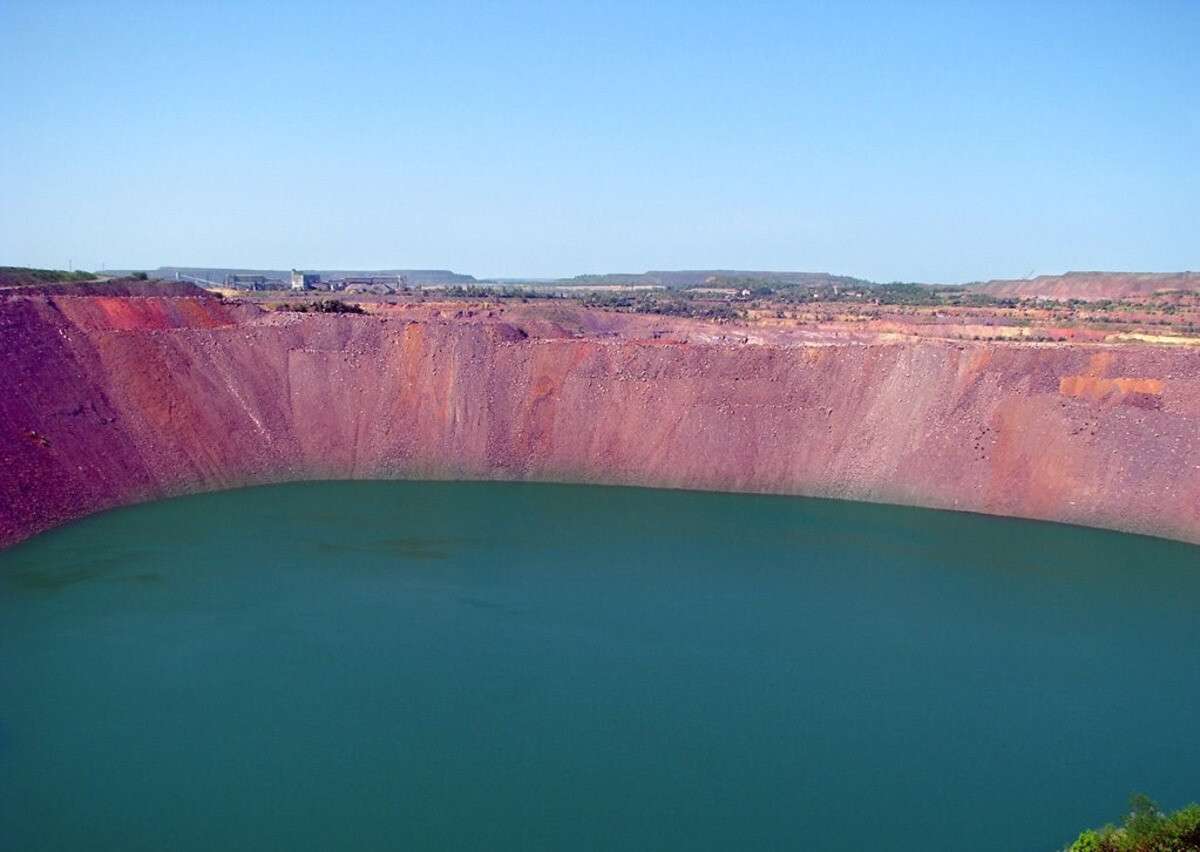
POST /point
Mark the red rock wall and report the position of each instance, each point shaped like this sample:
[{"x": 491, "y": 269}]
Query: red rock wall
[{"x": 99, "y": 409}]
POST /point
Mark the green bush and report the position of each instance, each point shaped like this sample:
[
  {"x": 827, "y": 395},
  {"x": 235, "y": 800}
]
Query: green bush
[
  {"x": 1089, "y": 841},
  {"x": 325, "y": 306},
  {"x": 1146, "y": 829}
]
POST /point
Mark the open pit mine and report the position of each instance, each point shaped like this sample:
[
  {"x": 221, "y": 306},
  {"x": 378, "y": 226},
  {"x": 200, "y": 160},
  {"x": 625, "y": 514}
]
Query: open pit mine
[{"x": 115, "y": 396}]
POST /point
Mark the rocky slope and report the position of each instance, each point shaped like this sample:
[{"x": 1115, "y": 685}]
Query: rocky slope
[
  {"x": 111, "y": 400},
  {"x": 1091, "y": 285}
]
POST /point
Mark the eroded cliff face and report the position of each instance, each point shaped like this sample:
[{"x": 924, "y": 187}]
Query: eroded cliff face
[{"x": 108, "y": 401}]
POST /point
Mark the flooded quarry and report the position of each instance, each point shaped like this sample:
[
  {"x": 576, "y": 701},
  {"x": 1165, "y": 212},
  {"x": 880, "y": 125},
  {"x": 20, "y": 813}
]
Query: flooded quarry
[
  {"x": 517, "y": 666},
  {"x": 583, "y": 427},
  {"x": 468, "y": 652}
]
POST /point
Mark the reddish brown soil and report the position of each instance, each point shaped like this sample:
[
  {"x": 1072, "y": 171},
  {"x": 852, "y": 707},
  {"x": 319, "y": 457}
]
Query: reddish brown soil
[
  {"x": 108, "y": 401},
  {"x": 1092, "y": 285}
]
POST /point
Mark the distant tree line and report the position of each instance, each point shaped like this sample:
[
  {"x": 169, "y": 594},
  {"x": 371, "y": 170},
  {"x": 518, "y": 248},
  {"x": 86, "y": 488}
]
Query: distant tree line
[{"x": 22, "y": 276}]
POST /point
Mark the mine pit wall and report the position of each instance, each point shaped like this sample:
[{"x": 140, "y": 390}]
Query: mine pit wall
[{"x": 100, "y": 408}]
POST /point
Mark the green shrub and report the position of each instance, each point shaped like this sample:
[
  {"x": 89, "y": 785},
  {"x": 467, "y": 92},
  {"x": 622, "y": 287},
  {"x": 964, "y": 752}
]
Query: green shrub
[
  {"x": 1146, "y": 829},
  {"x": 325, "y": 306},
  {"x": 1089, "y": 841}
]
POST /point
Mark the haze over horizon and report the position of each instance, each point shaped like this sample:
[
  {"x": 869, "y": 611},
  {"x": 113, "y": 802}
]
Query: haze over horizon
[{"x": 942, "y": 144}]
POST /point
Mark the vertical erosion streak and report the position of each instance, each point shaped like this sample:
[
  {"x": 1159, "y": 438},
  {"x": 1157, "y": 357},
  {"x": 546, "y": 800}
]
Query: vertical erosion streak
[{"x": 232, "y": 384}]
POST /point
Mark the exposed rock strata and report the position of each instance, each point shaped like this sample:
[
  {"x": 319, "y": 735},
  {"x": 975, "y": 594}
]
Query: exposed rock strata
[
  {"x": 1091, "y": 285},
  {"x": 108, "y": 401}
]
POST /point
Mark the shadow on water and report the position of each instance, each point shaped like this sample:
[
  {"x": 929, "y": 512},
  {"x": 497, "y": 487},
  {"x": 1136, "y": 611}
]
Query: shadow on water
[
  {"x": 53, "y": 581},
  {"x": 32, "y": 577},
  {"x": 402, "y": 548}
]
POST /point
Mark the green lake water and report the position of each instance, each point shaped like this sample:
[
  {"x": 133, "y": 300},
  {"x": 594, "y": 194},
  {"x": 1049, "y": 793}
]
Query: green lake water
[{"x": 421, "y": 666}]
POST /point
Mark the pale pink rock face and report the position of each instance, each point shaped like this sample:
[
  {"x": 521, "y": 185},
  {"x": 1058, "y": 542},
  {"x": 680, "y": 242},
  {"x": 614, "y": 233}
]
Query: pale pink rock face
[
  {"x": 110, "y": 400},
  {"x": 1092, "y": 285}
]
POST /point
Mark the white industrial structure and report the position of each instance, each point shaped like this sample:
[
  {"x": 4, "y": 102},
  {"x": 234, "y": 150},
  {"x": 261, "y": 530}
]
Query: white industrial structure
[{"x": 304, "y": 280}]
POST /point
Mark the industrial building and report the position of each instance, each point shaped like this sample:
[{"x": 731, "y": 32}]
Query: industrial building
[
  {"x": 305, "y": 280},
  {"x": 246, "y": 282}
]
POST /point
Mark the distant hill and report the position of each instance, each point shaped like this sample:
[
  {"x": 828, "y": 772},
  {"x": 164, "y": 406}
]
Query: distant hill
[
  {"x": 119, "y": 287},
  {"x": 681, "y": 279},
  {"x": 609, "y": 279},
  {"x": 673, "y": 279},
  {"x": 24, "y": 276},
  {"x": 217, "y": 274},
  {"x": 684, "y": 278},
  {"x": 1089, "y": 285}
]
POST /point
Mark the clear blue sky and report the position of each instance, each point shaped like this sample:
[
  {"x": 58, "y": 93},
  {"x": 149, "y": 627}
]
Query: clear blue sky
[{"x": 918, "y": 141}]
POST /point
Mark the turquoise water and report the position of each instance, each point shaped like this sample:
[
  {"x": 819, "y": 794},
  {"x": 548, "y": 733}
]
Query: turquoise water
[{"x": 416, "y": 666}]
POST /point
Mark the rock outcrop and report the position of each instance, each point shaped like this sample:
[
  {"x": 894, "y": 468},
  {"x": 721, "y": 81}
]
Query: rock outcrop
[{"x": 1091, "y": 286}]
